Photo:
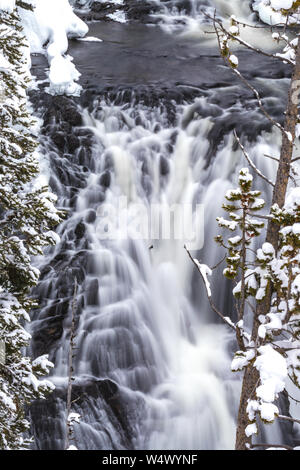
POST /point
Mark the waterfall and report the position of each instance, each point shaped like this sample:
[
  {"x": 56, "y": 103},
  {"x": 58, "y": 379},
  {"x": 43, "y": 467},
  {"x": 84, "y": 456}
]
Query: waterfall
[
  {"x": 152, "y": 366},
  {"x": 190, "y": 19}
]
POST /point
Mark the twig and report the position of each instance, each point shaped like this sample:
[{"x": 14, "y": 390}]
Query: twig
[
  {"x": 244, "y": 43},
  {"x": 258, "y": 172},
  {"x": 232, "y": 326},
  {"x": 289, "y": 418},
  {"x": 245, "y": 81},
  {"x": 273, "y": 158},
  {"x": 292, "y": 398},
  {"x": 218, "y": 264}
]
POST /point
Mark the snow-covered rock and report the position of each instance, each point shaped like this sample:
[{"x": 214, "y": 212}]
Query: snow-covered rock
[
  {"x": 270, "y": 12},
  {"x": 51, "y": 23},
  {"x": 7, "y": 5}
]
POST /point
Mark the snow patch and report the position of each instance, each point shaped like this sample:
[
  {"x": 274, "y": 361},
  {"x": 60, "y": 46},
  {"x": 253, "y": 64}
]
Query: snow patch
[
  {"x": 7, "y": 5},
  {"x": 270, "y": 12},
  {"x": 52, "y": 22}
]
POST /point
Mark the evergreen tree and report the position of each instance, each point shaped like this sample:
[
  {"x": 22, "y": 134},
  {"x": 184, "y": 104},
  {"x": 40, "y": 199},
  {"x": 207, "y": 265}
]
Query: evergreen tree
[
  {"x": 275, "y": 353},
  {"x": 27, "y": 218}
]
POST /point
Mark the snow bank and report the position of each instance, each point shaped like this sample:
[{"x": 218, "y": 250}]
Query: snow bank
[
  {"x": 48, "y": 28},
  {"x": 7, "y": 5},
  {"x": 269, "y": 11},
  {"x": 292, "y": 200}
]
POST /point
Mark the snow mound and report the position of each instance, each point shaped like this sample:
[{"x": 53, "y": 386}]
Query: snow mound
[
  {"x": 7, "y": 5},
  {"x": 47, "y": 29},
  {"x": 269, "y": 11}
]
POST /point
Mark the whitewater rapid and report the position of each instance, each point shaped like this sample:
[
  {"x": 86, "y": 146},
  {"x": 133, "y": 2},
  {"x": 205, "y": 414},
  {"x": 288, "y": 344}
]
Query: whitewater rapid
[{"x": 152, "y": 365}]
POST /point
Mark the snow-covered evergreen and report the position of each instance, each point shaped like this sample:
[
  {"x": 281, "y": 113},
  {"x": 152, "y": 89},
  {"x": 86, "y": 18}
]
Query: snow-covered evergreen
[
  {"x": 27, "y": 218},
  {"x": 276, "y": 352}
]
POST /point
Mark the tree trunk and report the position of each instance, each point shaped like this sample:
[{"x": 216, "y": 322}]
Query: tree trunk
[{"x": 251, "y": 375}]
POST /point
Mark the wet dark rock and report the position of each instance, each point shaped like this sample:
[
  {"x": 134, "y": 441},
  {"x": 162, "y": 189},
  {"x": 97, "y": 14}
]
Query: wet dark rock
[
  {"x": 105, "y": 179},
  {"x": 58, "y": 309},
  {"x": 67, "y": 110},
  {"x": 98, "y": 12},
  {"x": 145, "y": 166},
  {"x": 147, "y": 184},
  {"x": 116, "y": 407},
  {"x": 65, "y": 127},
  {"x": 200, "y": 110},
  {"x": 164, "y": 165},
  {"x": 91, "y": 216},
  {"x": 59, "y": 140},
  {"x": 53, "y": 184},
  {"x": 46, "y": 338},
  {"x": 140, "y": 11},
  {"x": 80, "y": 230},
  {"x": 92, "y": 292},
  {"x": 73, "y": 142}
]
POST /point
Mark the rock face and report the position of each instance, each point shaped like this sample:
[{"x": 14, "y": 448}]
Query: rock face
[
  {"x": 68, "y": 145},
  {"x": 118, "y": 409},
  {"x": 134, "y": 10}
]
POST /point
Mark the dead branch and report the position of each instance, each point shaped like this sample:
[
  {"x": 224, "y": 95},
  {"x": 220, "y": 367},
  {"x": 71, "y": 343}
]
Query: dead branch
[
  {"x": 273, "y": 158},
  {"x": 257, "y": 171},
  {"x": 289, "y": 418},
  {"x": 244, "y": 43},
  {"x": 231, "y": 325}
]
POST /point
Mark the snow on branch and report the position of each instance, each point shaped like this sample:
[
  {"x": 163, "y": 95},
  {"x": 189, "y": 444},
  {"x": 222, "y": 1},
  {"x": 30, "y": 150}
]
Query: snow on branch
[{"x": 204, "y": 270}]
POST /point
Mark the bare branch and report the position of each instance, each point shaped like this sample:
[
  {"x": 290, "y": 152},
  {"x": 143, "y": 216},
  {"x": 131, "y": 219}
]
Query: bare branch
[
  {"x": 245, "y": 81},
  {"x": 244, "y": 43},
  {"x": 266, "y": 217},
  {"x": 273, "y": 158},
  {"x": 218, "y": 264},
  {"x": 257, "y": 171},
  {"x": 289, "y": 418},
  {"x": 231, "y": 325}
]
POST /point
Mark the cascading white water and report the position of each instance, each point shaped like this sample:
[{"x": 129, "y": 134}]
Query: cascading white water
[
  {"x": 145, "y": 330},
  {"x": 189, "y": 19},
  {"x": 139, "y": 325}
]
